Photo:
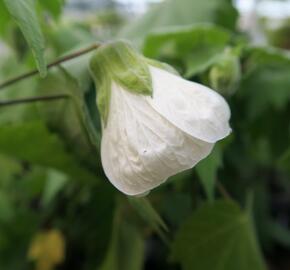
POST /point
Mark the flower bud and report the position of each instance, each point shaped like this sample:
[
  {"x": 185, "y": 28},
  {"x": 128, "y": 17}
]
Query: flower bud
[
  {"x": 225, "y": 75},
  {"x": 156, "y": 124}
]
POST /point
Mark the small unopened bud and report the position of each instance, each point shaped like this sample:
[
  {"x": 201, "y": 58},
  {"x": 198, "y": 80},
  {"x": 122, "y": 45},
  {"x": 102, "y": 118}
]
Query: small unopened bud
[{"x": 225, "y": 75}]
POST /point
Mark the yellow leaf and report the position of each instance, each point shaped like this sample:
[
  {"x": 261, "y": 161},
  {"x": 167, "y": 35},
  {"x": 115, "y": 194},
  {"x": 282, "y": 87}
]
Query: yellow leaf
[{"x": 47, "y": 249}]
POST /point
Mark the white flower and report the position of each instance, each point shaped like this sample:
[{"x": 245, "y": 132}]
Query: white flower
[{"x": 148, "y": 138}]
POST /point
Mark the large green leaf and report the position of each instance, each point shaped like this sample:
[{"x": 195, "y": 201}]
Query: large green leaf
[
  {"x": 32, "y": 142},
  {"x": 217, "y": 236},
  {"x": 192, "y": 48},
  {"x": 181, "y": 12},
  {"x": 24, "y": 13}
]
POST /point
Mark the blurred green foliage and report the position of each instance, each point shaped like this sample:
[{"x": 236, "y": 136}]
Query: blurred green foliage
[
  {"x": 51, "y": 178},
  {"x": 277, "y": 36}
]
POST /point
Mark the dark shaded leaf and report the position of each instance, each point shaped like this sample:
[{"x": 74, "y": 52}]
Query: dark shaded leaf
[
  {"x": 32, "y": 142},
  {"x": 217, "y": 236}
]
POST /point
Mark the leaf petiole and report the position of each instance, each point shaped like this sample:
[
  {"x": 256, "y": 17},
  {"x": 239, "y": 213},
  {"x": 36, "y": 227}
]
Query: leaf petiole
[{"x": 32, "y": 99}]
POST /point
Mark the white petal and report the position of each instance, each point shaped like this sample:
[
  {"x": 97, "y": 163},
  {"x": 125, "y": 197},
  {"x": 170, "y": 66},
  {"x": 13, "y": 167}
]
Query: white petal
[
  {"x": 194, "y": 108},
  {"x": 140, "y": 148}
]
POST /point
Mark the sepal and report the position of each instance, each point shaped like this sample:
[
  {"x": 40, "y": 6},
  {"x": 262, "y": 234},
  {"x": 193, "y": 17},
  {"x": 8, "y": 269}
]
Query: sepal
[{"x": 117, "y": 62}]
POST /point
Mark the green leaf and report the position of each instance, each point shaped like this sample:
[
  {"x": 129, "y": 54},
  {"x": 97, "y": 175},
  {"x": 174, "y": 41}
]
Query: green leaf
[
  {"x": 54, "y": 7},
  {"x": 264, "y": 97},
  {"x": 207, "y": 171},
  {"x": 175, "y": 207},
  {"x": 4, "y": 18},
  {"x": 8, "y": 168},
  {"x": 6, "y": 207},
  {"x": 279, "y": 233},
  {"x": 54, "y": 183},
  {"x": 181, "y": 13},
  {"x": 126, "y": 249},
  {"x": 266, "y": 80},
  {"x": 9, "y": 64},
  {"x": 147, "y": 212},
  {"x": 32, "y": 142},
  {"x": 24, "y": 13},
  {"x": 32, "y": 183},
  {"x": 67, "y": 38},
  {"x": 77, "y": 126},
  {"x": 192, "y": 48},
  {"x": 78, "y": 70},
  {"x": 87, "y": 120},
  {"x": 87, "y": 220},
  {"x": 284, "y": 160},
  {"x": 217, "y": 236}
]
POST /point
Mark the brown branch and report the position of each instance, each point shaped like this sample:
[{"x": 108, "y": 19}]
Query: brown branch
[
  {"x": 222, "y": 190},
  {"x": 32, "y": 99},
  {"x": 55, "y": 63}
]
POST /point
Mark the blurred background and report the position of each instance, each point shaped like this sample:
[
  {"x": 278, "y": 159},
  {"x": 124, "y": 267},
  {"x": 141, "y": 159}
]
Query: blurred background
[
  {"x": 58, "y": 210},
  {"x": 266, "y": 21}
]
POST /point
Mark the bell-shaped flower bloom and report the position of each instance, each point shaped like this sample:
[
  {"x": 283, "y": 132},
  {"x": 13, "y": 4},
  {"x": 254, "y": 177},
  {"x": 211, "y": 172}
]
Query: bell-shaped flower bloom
[{"x": 155, "y": 123}]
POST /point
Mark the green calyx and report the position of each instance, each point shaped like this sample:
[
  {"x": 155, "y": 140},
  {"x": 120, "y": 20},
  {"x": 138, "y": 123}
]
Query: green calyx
[
  {"x": 119, "y": 63},
  {"x": 161, "y": 65}
]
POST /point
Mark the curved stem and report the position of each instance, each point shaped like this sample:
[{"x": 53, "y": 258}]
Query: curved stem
[
  {"x": 32, "y": 99},
  {"x": 223, "y": 191},
  {"x": 55, "y": 63}
]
